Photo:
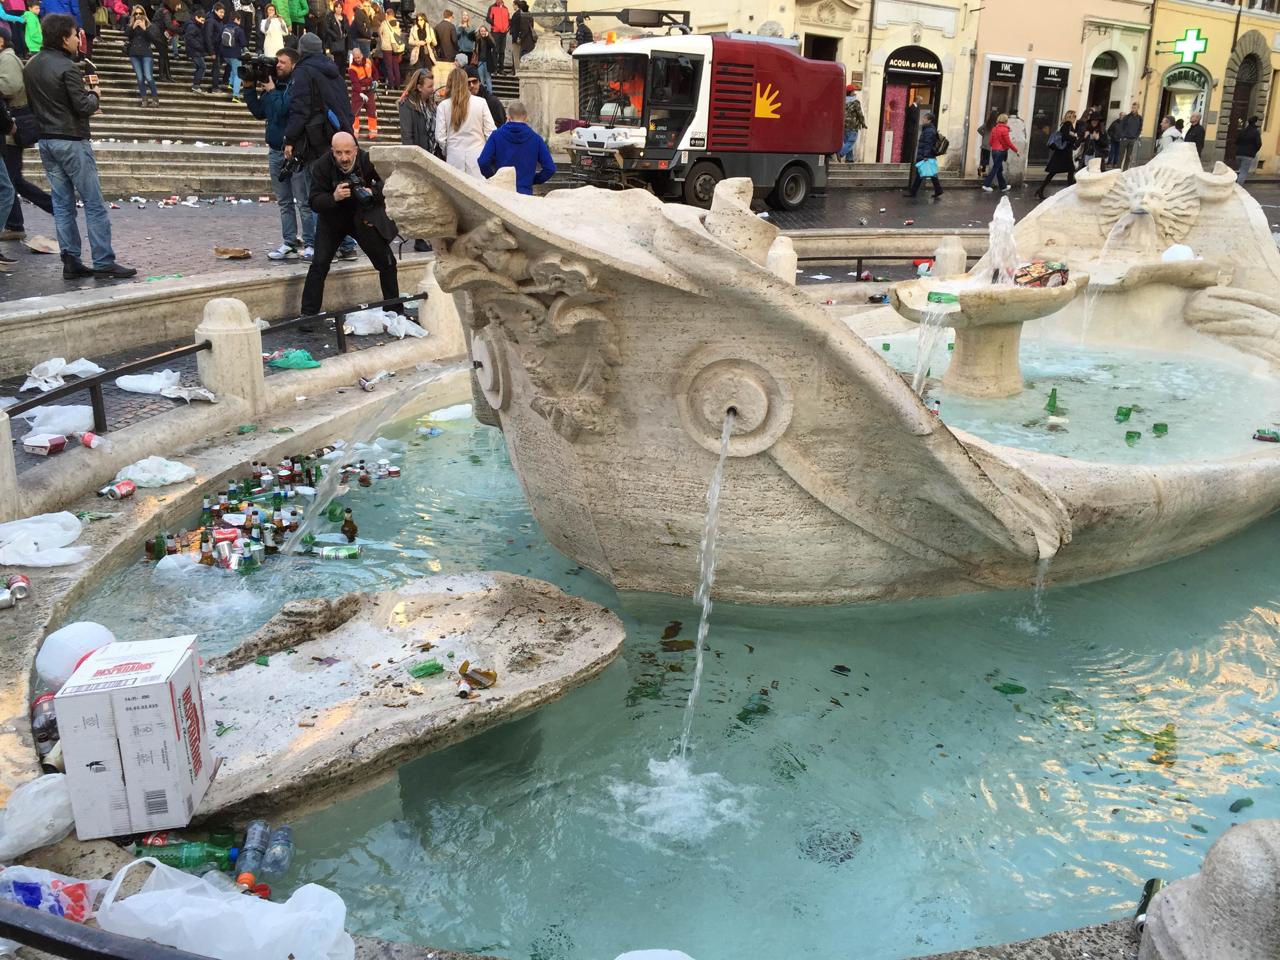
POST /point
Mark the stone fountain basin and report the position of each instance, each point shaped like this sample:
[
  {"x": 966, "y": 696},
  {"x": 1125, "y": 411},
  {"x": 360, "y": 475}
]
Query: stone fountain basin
[
  {"x": 334, "y": 704},
  {"x": 1120, "y": 276},
  {"x": 983, "y": 304}
]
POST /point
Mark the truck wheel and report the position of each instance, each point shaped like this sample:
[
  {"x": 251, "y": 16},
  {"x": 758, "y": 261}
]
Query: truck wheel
[
  {"x": 700, "y": 184},
  {"x": 791, "y": 190}
]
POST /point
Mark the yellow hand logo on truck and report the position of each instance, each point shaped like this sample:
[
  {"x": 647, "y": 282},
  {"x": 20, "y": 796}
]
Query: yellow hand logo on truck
[{"x": 767, "y": 102}]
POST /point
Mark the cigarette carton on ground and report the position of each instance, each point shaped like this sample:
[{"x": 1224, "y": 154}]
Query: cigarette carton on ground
[{"x": 133, "y": 736}]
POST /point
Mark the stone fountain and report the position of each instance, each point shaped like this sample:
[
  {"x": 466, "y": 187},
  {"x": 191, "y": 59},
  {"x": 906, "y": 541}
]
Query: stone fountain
[{"x": 611, "y": 333}]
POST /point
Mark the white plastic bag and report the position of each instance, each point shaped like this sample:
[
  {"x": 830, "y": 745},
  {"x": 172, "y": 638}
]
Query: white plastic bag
[
  {"x": 149, "y": 382},
  {"x": 38, "y": 813},
  {"x": 188, "y": 912},
  {"x": 41, "y": 541},
  {"x": 402, "y": 327},
  {"x": 63, "y": 650},
  {"x": 48, "y": 892},
  {"x": 655, "y": 955},
  {"x": 50, "y": 374},
  {"x": 363, "y": 323},
  {"x": 155, "y": 472},
  {"x": 459, "y": 411},
  {"x": 68, "y": 420}
]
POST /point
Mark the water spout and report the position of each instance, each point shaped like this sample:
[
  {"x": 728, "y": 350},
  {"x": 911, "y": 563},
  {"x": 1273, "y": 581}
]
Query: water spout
[
  {"x": 932, "y": 326},
  {"x": 1001, "y": 246},
  {"x": 707, "y": 563}
]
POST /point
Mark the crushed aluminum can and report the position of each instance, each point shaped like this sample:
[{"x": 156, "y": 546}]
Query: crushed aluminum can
[
  {"x": 7, "y": 599},
  {"x": 120, "y": 490},
  {"x": 19, "y": 585}
]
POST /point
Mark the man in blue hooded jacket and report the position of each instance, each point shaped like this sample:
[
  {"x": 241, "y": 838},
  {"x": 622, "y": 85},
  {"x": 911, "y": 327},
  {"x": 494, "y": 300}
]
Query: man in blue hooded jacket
[{"x": 516, "y": 144}]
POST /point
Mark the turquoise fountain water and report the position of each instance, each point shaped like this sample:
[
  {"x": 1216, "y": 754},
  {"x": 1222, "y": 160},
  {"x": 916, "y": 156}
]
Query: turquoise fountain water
[{"x": 907, "y": 778}]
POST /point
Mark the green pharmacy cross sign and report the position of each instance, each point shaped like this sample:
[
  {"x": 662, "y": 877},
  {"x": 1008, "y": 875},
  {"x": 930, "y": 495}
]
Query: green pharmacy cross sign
[{"x": 1190, "y": 46}]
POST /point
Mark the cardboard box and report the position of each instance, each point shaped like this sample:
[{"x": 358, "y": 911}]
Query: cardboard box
[
  {"x": 133, "y": 735},
  {"x": 43, "y": 444}
]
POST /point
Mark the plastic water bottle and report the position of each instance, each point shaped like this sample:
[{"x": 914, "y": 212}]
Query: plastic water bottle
[
  {"x": 254, "y": 848},
  {"x": 279, "y": 852}
]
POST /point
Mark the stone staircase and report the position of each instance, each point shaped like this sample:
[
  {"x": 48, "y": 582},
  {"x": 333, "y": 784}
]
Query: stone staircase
[
  {"x": 842, "y": 176},
  {"x": 192, "y": 143}
]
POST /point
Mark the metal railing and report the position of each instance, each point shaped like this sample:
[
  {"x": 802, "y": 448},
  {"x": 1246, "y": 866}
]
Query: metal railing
[
  {"x": 94, "y": 384},
  {"x": 74, "y": 941},
  {"x": 859, "y": 259},
  {"x": 338, "y": 316}
]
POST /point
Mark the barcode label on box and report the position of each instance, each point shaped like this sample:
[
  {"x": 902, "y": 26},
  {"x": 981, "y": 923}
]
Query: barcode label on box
[
  {"x": 106, "y": 685},
  {"x": 156, "y": 802},
  {"x": 191, "y": 807}
]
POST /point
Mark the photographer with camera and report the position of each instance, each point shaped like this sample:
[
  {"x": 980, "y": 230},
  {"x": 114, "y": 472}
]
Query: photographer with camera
[
  {"x": 266, "y": 82},
  {"x": 346, "y": 194}
]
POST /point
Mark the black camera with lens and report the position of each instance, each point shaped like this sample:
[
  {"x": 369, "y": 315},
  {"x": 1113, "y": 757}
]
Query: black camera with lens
[
  {"x": 258, "y": 70},
  {"x": 362, "y": 193},
  {"x": 288, "y": 168}
]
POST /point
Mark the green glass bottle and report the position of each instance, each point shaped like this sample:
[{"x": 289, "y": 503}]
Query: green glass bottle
[
  {"x": 158, "y": 548},
  {"x": 206, "y": 514},
  {"x": 334, "y": 512},
  {"x": 1052, "y": 405}
]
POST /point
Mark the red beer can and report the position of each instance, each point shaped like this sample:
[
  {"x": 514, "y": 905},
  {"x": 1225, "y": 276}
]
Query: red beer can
[
  {"x": 120, "y": 490},
  {"x": 19, "y": 585}
]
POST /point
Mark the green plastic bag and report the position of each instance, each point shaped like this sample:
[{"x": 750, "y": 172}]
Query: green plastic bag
[{"x": 294, "y": 360}]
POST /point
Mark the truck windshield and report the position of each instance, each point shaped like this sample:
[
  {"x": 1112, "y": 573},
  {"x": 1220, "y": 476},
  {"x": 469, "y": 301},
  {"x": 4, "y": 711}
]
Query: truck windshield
[{"x": 611, "y": 89}]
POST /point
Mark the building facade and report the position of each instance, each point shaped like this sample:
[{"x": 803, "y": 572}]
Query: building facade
[
  {"x": 1038, "y": 60},
  {"x": 1219, "y": 59}
]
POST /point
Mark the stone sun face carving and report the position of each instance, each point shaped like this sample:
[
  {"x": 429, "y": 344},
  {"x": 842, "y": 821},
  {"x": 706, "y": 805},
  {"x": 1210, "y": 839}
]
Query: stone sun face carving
[{"x": 1170, "y": 196}]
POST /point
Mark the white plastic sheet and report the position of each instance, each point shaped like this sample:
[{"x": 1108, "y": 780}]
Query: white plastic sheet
[
  {"x": 188, "y": 912},
  {"x": 166, "y": 383},
  {"x": 38, "y": 813},
  {"x": 52, "y": 373},
  {"x": 363, "y": 323},
  {"x": 41, "y": 541},
  {"x": 655, "y": 955},
  {"x": 459, "y": 411},
  {"x": 155, "y": 472},
  {"x": 68, "y": 419}
]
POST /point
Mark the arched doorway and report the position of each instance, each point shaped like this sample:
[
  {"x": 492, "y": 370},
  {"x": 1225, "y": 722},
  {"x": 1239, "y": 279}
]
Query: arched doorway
[
  {"x": 1182, "y": 93},
  {"x": 1243, "y": 99},
  {"x": 1102, "y": 79},
  {"x": 912, "y": 83}
]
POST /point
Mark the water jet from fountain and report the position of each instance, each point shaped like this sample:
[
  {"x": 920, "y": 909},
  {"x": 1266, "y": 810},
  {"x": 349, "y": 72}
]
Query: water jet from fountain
[{"x": 707, "y": 563}]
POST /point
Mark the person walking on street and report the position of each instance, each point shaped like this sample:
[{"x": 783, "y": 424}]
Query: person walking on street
[
  {"x": 62, "y": 102},
  {"x": 1062, "y": 148},
  {"x": 269, "y": 101},
  {"x": 363, "y": 98},
  {"x": 926, "y": 164},
  {"x": 1001, "y": 144},
  {"x": 446, "y": 38},
  {"x": 463, "y": 125},
  {"x": 984, "y": 143},
  {"x": 1169, "y": 133},
  {"x": 1195, "y": 134},
  {"x": 137, "y": 40},
  {"x": 164, "y": 34},
  {"x": 499, "y": 18},
  {"x": 231, "y": 44},
  {"x": 854, "y": 123},
  {"x": 516, "y": 144},
  {"x": 1130, "y": 130},
  {"x": 193, "y": 35},
  {"x": 346, "y": 194},
  {"x": 8, "y": 198},
  {"x": 486, "y": 51},
  {"x": 213, "y": 28},
  {"x": 1248, "y": 143},
  {"x": 13, "y": 95}
]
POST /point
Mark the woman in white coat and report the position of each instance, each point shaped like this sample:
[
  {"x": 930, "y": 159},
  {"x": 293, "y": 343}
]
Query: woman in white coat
[
  {"x": 463, "y": 124},
  {"x": 274, "y": 30}
]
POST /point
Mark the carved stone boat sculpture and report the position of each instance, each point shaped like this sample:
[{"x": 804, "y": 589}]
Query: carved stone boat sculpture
[{"x": 612, "y": 332}]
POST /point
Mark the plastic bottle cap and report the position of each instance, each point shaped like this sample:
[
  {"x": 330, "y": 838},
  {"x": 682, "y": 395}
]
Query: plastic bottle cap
[
  {"x": 233, "y": 854},
  {"x": 246, "y": 879}
]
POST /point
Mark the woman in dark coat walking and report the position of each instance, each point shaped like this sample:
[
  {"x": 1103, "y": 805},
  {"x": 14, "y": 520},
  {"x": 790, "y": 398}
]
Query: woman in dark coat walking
[{"x": 1062, "y": 149}]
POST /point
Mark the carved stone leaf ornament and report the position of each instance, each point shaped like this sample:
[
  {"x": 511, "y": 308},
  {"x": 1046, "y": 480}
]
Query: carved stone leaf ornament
[{"x": 527, "y": 301}]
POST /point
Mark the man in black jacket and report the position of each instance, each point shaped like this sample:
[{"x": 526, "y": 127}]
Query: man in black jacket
[
  {"x": 1248, "y": 143},
  {"x": 63, "y": 101},
  {"x": 1195, "y": 134},
  {"x": 317, "y": 97},
  {"x": 496, "y": 109},
  {"x": 346, "y": 195}
]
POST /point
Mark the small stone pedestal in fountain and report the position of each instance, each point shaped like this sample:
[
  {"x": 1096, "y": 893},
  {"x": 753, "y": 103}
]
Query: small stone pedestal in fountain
[
  {"x": 549, "y": 88},
  {"x": 988, "y": 322}
]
